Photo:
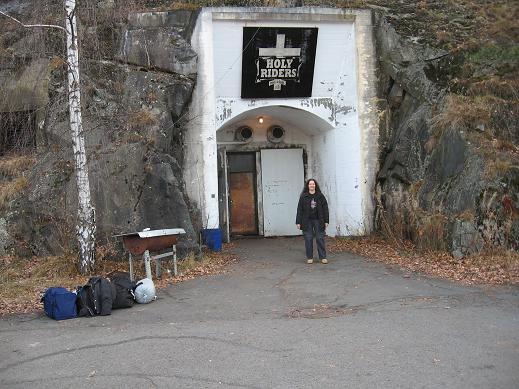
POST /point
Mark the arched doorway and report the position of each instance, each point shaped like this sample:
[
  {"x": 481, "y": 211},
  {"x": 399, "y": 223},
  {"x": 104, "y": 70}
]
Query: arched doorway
[{"x": 264, "y": 156}]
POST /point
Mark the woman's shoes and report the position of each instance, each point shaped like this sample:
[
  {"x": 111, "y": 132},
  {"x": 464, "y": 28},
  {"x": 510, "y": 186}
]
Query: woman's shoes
[{"x": 310, "y": 261}]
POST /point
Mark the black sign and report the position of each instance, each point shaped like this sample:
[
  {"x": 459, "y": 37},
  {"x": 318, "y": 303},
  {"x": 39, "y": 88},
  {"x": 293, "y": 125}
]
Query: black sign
[{"x": 278, "y": 61}]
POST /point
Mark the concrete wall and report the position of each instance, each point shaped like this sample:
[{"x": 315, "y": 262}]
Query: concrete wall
[
  {"x": 200, "y": 167},
  {"x": 293, "y": 134},
  {"x": 337, "y": 125}
]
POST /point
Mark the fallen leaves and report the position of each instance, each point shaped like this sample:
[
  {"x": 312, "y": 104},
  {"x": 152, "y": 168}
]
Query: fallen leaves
[
  {"x": 490, "y": 267},
  {"x": 24, "y": 280}
]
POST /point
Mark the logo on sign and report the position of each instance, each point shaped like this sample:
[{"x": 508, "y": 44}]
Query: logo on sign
[{"x": 278, "y": 64}]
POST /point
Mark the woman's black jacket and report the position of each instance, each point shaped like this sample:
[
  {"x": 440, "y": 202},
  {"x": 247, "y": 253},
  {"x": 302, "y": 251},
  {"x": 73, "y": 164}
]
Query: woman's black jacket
[{"x": 303, "y": 209}]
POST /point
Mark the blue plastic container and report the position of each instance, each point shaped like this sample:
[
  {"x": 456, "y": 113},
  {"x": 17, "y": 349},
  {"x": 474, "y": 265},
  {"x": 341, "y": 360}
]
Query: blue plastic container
[{"x": 212, "y": 238}]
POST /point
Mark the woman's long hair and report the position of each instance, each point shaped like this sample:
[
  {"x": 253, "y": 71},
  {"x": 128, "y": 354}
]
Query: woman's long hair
[{"x": 317, "y": 189}]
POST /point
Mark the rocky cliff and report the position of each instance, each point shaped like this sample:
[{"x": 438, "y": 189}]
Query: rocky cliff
[
  {"x": 133, "y": 102},
  {"x": 449, "y": 170}
]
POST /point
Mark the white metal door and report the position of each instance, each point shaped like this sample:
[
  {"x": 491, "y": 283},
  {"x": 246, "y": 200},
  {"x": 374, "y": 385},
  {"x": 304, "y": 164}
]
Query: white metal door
[{"x": 282, "y": 179}]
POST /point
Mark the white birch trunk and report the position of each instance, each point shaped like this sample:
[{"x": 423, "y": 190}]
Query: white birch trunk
[{"x": 86, "y": 226}]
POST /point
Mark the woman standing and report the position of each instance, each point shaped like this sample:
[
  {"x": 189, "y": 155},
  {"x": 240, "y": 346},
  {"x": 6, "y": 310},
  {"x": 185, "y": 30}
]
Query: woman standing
[{"x": 313, "y": 218}]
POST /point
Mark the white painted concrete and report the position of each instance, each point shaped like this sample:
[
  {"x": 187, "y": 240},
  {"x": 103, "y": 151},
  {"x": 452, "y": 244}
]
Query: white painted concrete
[
  {"x": 368, "y": 114},
  {"x": 200, "y": 174},
  {"x": 337, "y": 127},
  {"x": 281, "y": 175}
]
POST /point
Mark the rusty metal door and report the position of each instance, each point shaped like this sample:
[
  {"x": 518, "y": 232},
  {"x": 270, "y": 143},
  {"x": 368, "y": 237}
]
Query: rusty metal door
[{"x": 242, "y": 191}]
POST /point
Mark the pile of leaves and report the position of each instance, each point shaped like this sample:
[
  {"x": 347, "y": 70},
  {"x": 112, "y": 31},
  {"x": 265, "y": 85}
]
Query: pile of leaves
[
  {"x": 23, "y": 281},
  {"x": 494, "y": 267}
]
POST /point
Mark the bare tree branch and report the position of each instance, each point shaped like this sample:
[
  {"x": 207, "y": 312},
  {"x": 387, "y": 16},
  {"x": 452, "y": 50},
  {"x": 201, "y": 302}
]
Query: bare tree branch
[{"x": 32, "y": 25}]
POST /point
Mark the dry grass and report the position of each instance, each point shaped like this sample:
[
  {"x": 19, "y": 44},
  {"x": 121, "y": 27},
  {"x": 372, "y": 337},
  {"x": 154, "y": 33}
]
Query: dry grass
[
  {"x": 55, "y": 267},
  {"x": 181, "y": 5},
  {"x": 12, "y": 168},
  {"x": 132, "y": 137},
  {"x": 138, "y": 125},
  {"x": 136, "y": 137},
  {"x": 142, "y": 119},
  {"x": 462, "y": 112},
  {"x": 15, "y": 165},
  {"x": 23, "y": 281},
  {"x": 500, "y": 20},
  {"x": 57, "y": 62},
  {"x": 431, "y": 232},
  {"x": 407, "y": 221},
  {"x": 497, "y": 167},
  {"x": 414, "y": 188},
  {"x": 467, "y": 215},
  {"x": 505, "y": 146},
  {"x": 496, "y": 85},
  {"x": 489, "y": 114},
  {"x": 500, "y": 155},
  {"x": 392, "y": 225},
  {"x": 495, "y": 257},
  {"x": 9, "y": 190}
]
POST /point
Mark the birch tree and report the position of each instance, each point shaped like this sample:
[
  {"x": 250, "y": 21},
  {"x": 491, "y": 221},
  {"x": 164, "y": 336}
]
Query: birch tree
[{"x": 86, "y": 226}]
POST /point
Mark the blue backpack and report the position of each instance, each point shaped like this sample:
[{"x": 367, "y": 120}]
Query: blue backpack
[{"x": 59, "y": 303}]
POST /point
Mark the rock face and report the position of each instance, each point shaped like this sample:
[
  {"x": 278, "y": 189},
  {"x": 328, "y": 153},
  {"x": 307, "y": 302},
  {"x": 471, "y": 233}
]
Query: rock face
[
  {"x": 433, "y": 185},
  {"x": 158, "y": 49},
  {"x": 132, "y": 106},
  {"x": 158, "y": 40}
]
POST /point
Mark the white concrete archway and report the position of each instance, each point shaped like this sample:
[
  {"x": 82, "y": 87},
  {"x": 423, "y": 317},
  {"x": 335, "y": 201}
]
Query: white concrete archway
[
  {"x": 339, "y": 122},
  {"x": 281, "y": 167}
]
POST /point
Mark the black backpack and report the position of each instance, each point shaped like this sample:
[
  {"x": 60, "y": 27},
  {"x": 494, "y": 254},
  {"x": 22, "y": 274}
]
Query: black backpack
[
  {"x": 96, "y": 297},
  {"x": 124, "y": 286},
  {"x": 86, "y": 303}
]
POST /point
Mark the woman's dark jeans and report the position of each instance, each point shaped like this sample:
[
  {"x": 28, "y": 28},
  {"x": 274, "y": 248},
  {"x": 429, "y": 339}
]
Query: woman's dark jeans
[{"x": 314, "y": 228}]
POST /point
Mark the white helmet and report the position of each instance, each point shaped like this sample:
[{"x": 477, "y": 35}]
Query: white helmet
[{"x": 145, "y": 291}]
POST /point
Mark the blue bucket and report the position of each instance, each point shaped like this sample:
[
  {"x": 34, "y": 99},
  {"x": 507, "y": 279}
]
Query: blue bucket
[{"x": 212, "y": 238}]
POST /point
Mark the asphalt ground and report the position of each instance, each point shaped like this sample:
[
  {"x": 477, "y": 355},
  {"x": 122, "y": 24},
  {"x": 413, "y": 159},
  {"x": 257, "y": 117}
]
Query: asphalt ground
[{"x": 272, "y": 321}]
